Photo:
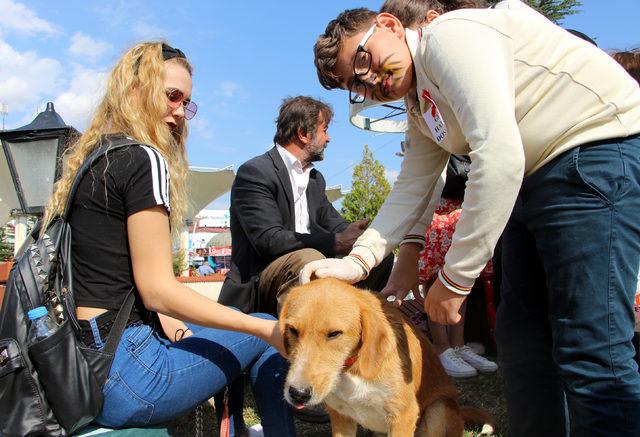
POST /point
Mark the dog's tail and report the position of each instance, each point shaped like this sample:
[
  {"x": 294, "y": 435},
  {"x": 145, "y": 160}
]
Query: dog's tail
[{"x": 476, "y": 416}]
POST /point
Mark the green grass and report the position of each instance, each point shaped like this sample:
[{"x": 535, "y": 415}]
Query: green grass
[{"x": 484, "y": 391}]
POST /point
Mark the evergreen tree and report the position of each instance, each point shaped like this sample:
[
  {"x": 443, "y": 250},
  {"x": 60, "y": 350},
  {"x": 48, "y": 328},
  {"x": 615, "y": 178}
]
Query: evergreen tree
[
  {"x": 6, "y": 251},
  {"x": 554, "y": 10},
  {"x": 369, "y": 188}
]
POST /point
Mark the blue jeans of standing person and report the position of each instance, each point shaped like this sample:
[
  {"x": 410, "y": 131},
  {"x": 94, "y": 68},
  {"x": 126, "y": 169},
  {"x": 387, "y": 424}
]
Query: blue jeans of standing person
[
  {"x": 564, "y": 332},
  {"x": 154, "y": 380}
]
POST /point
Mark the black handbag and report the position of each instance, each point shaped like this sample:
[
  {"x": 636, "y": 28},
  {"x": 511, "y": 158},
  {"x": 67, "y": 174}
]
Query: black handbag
[
  {"x": 52, "y": 387},
  {"x": 238, "y": 294}
]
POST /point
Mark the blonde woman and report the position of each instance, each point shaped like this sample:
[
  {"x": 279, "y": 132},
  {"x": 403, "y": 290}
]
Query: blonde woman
[{"x": 122, "y": 217}]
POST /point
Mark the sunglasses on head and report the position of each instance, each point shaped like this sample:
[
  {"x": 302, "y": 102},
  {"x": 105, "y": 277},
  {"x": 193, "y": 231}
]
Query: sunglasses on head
[{"x": 176, "y": 98}]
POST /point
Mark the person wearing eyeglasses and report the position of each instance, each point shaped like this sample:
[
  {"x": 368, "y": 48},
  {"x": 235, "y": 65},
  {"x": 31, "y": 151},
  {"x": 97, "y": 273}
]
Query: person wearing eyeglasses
[
  {"x": 552, "y": 127},
  {"x": 123, "y": 216}
]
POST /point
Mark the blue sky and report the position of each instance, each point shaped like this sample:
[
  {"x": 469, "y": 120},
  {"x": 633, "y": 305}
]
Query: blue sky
[{"x": 248, "y": 55}]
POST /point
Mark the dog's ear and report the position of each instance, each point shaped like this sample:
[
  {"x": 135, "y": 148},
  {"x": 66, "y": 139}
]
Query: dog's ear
[
  {"x": 286, "y": 340},
  {"x": 374, "y": 339},
  {"x": 282, "y": 326}
]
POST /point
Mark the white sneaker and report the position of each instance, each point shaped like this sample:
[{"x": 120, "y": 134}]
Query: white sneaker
[
  {"x": 475, "y": 360},
  {"x": 476, "y": 347},
  {"x": 456, "y": 366},
  {"x": 256, "y": 431}
]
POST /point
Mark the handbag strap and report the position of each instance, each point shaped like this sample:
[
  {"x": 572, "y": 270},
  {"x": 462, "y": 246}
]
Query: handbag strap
[
  {"x": 119, "y": 324},
  {"x": 64, "y": 249},
  {"x": 105, "y": 147}
]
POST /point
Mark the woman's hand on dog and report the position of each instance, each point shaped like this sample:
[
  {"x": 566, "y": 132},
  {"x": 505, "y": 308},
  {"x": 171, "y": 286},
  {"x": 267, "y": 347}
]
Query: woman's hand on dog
[
  {"x": 270, "y": 333},
  {"x": 404, "y": 276},
  {"x": 443, "y": 305}
]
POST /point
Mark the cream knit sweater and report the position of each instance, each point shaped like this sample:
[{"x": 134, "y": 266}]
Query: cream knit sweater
[{"x": 514, "y": 91}]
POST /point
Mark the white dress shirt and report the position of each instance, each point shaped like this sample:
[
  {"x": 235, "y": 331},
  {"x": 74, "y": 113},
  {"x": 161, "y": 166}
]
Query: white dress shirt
[{"x": 299, "y": 178}]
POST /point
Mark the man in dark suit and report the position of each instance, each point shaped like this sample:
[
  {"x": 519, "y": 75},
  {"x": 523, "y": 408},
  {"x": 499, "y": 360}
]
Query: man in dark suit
[{"x": 281, "y": 218}]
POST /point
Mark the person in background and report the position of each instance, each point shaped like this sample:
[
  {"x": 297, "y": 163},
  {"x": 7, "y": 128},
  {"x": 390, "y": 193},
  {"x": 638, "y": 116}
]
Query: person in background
[
  {"x": 630, "y": 61},
  {"x": 554, "y": 143},
  {"x": 122, "y": 219},
  {"x": 205, "y": 268},
  {"x": 281, "y": 218}
]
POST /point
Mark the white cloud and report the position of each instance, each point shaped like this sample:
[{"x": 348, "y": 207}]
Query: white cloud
[
  {"x": 17, "y": 18},
  {"x": 84, "y": 46},
  {"x": 28, "y": 81},
  {"x": 232, "y": 90},
  {"x": 144, "y": 30},
  {"x": 26, "y": 78},
  {"x": 391, "y": 175},
  {"x": 229, "y": 88},
  {"x": 78, "y": 102},
  {"x": 201, "y": 125}
]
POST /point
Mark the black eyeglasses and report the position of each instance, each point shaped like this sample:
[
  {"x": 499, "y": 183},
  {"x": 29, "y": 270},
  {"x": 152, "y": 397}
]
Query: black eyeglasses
[
  {"x": 176, "y": 98},
  {"x": 361, "y": 67}
]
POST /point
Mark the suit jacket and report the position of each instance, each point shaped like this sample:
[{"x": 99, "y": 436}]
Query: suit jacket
[{"x": 263, "y": 224}]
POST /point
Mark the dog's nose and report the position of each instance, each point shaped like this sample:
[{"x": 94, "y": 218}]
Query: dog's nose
[{"x": 300, "y": 396}]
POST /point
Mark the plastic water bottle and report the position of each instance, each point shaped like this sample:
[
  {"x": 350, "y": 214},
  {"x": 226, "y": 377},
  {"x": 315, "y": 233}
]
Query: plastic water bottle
[{"x": 42, "y": 326}]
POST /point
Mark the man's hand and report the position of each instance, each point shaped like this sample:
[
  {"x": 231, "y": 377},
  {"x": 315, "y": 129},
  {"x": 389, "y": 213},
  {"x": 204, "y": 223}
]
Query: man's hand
[
  {"x": 404, "y": 276},
  {"x": 344, "y": 269},
  {"x": 443, "y": 305},
  {"x": 345, "y": 239}
]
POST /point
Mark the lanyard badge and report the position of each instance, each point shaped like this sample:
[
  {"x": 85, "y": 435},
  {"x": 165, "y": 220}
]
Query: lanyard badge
[{"x": 434, "y": 120}]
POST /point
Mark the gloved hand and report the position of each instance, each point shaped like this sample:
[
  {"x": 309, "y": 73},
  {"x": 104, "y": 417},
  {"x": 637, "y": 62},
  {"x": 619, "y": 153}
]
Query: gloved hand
[{"x": 345, "y": 269}]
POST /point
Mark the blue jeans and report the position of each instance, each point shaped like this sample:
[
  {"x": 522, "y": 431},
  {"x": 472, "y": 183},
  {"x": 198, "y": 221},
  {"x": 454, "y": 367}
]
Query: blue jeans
[
  {"x": 570, "y": 255},
  {"x": 153, "y": 380}
]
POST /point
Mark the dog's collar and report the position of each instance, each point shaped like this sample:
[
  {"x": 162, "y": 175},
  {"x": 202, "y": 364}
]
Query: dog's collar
[{"x": 349, "y": 361}]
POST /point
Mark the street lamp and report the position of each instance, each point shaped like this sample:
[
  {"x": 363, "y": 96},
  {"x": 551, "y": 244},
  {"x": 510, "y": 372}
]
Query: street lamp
[{"x": 33, "y": 155}]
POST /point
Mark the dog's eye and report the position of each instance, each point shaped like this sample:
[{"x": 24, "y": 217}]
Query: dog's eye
[
  {"x": 334, "y": 334},
  {"x": 293, "y": 331}
]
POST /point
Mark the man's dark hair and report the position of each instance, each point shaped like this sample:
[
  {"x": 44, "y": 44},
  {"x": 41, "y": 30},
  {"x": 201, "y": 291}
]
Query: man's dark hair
[
  {"x": 300, "y": 113},
  {"x": 630, "y": 61},
  {"x": 327, "y": 45}
]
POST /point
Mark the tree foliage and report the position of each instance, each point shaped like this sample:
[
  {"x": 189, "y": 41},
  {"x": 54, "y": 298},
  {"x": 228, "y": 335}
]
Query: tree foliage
[
  {"x": 369, "y": 188},
  {"x": 554, "y": 10},
  {"x": 179, "y": 262},
  {"x": 6, "y": 251}
]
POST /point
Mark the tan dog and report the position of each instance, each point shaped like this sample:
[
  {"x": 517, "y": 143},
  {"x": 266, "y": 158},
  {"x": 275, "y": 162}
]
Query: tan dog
[{"x": 358, "y": 354}]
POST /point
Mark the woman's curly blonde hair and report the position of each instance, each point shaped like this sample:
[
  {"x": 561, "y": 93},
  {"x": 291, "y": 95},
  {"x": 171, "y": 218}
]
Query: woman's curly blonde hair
[{"x": 134, "y": 105}]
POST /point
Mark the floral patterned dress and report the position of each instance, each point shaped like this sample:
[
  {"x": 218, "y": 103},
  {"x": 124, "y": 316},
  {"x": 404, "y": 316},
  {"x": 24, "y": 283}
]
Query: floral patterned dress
[{"x": 438, "y": 240}]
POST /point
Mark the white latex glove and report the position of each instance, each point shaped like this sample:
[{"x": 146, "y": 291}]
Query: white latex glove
[{"x": 345, "y": 269}]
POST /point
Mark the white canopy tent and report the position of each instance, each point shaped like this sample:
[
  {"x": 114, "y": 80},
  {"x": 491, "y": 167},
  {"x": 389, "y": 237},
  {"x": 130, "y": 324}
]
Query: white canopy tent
[
  {"x": 204, "y": 185},
  {"x": 334, "y": 193},
  {"x": 379, "y": 117}
]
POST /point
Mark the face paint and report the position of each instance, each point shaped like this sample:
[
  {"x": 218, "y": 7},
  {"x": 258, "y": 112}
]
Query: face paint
[{"x": 388, "y": 69}]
